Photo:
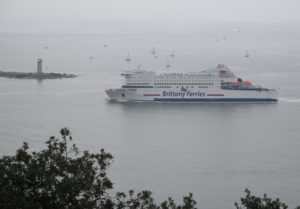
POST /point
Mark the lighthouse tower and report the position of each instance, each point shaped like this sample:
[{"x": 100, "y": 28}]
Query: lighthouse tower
[{"x": 39, "y": 65}]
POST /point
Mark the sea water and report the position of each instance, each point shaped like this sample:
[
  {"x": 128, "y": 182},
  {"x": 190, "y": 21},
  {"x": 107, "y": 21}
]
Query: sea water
[{"x": 214, "y": 151}]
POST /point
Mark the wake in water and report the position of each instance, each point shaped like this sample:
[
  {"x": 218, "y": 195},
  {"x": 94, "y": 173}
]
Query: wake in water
[{"x": 290, "y": 100}]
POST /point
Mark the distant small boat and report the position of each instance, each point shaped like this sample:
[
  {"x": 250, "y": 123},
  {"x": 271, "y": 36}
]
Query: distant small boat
[
  {"x": 172, "y": 55},
  {"x": 224, "y": 37},
  {"x": 91, "y": 57},
  {"x": 128, "y": 58},
  {"x": 138, "y": 67},
  {"x": 168, "y": 64},
  {"x": 46, "y": 47},
  {"x": 247, "y": 55},
  {"x": 153, "y": 51},
  {"x": 104, "y": 45}
]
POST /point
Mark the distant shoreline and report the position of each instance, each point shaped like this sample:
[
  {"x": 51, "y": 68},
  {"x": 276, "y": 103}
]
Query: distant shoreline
[{"x": 39, "y": 76}]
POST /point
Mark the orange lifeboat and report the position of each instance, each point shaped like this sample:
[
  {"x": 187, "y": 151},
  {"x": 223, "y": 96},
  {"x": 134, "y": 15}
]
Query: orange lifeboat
[{"x": 246, "y": 83}]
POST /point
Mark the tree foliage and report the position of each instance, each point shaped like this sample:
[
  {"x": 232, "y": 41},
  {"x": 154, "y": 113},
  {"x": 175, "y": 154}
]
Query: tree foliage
[
  {"x": 253, "y": 202},
  {"x": 60, "y": 176},
  {"x": 144, "y": 200}
]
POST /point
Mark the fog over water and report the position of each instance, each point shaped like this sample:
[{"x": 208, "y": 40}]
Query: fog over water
[
  {"x": 212, "y": 150},
  {"x": 95, "y": 15}
]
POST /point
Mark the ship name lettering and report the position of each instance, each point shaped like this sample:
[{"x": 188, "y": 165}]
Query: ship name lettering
[
  {"x": 195, "y": 94},
  {"x": 183, "y": 94}
]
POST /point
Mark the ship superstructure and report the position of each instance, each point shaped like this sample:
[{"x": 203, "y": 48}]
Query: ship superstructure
[{"x": 213, "y": 85}]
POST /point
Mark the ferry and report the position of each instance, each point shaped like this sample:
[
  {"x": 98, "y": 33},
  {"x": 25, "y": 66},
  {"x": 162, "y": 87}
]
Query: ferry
[{"x": 216, "y": 85}]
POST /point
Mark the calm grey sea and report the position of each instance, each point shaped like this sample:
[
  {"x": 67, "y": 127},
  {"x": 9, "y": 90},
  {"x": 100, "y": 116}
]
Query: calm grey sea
[{"x": 212, "y": 150}]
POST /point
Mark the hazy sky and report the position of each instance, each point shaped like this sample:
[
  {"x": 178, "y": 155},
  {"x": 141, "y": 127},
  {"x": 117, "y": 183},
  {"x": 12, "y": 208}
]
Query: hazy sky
[
  {"x": 64, "y": 11},
  {"x": 170, "y": 10}
]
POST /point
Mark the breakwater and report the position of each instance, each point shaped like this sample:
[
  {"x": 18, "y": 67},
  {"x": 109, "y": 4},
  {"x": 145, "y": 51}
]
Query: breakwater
[{"x": 34, "y": 75}]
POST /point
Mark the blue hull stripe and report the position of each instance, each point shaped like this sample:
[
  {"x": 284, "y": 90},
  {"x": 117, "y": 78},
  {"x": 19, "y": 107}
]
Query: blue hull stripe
[{"x": 215, "y": 99}]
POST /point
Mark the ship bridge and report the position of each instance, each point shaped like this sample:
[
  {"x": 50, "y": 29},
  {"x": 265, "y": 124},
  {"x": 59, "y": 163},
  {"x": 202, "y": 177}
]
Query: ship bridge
[{"x": 221, "y": 71}]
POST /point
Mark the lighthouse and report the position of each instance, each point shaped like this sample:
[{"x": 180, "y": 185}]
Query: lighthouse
[{"x": 39, "y": 65}]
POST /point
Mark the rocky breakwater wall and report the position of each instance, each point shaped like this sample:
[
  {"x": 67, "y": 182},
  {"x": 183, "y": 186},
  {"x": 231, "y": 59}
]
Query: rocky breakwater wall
[{"x": 39, "y": 76}]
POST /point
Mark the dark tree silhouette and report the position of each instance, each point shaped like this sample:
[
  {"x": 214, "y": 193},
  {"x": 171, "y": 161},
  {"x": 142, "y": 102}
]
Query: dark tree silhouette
[
  {"x": 253, "y": 202},
  {"x": 60, "y": 176}
]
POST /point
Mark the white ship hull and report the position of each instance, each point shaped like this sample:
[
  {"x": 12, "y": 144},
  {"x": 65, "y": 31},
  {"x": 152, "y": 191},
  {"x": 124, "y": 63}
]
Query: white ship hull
[{"x": 193, "y": 96}]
